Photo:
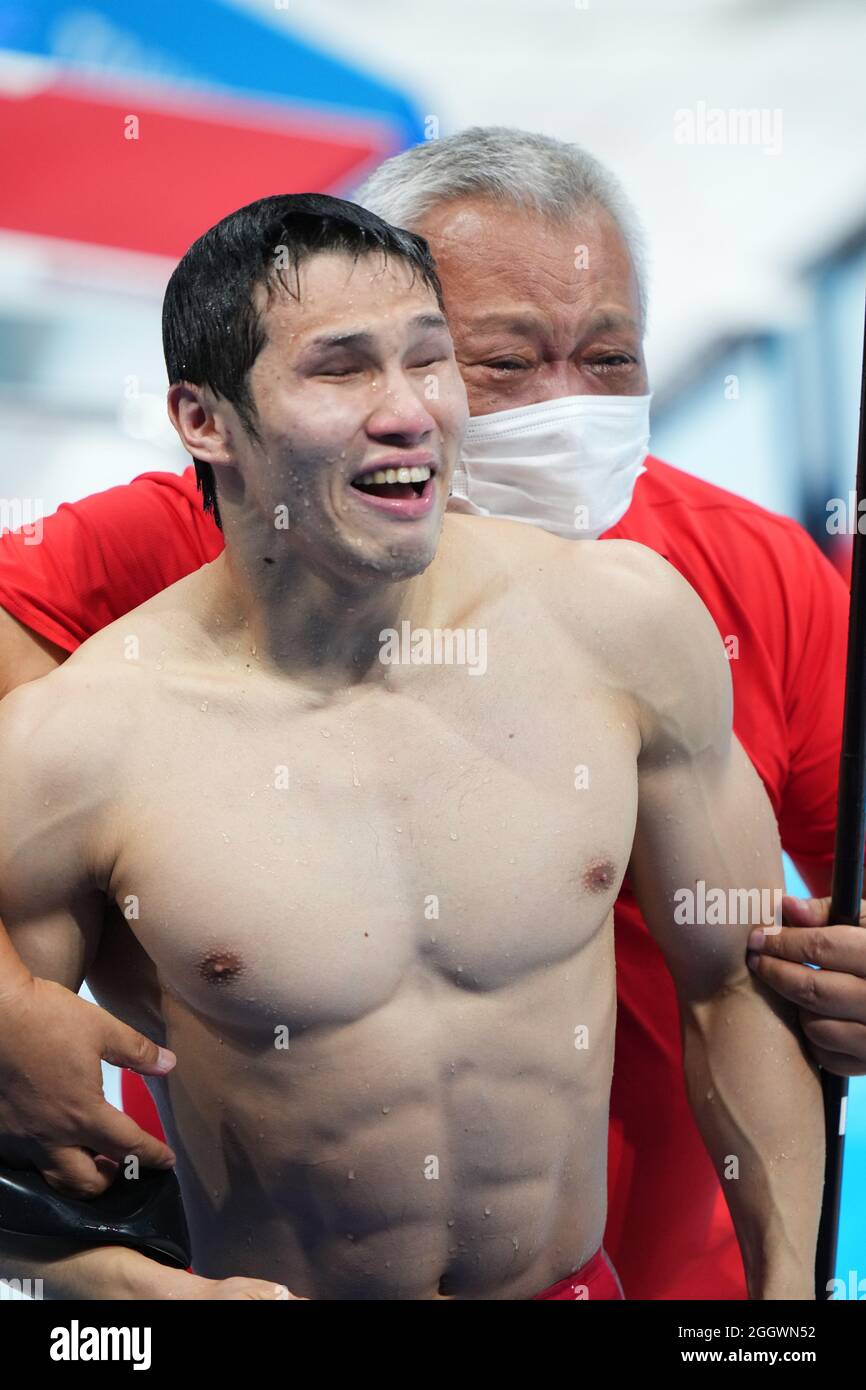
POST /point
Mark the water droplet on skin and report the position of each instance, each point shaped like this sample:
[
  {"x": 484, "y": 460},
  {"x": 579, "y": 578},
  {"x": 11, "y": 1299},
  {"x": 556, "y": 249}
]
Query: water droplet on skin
[
  {"x": 325, "y": 733},
  {"x": 386, "y": 1109},
  {"x": 451, "y": 1222},
  {"x": 486, "y": 1211},
  {"x": 452, "y": 836},
  {"x": 350, "y": 1174}
]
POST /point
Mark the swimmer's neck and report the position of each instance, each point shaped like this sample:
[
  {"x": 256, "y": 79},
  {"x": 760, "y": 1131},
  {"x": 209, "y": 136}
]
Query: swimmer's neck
[{"x": 307, "y": 623}]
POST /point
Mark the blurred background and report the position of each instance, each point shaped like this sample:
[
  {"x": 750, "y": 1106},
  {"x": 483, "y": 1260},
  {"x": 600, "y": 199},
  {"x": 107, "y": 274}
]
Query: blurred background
[{"x": 735, "y": 125}]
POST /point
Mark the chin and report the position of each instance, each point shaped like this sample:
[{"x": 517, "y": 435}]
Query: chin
[
  {"x": 406, "y": 565},
  {"x": 395, "y": 562}
]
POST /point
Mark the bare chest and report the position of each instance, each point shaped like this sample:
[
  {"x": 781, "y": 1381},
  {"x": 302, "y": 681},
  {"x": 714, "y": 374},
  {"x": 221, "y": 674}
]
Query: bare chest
[{"x": 298, "y": 867}]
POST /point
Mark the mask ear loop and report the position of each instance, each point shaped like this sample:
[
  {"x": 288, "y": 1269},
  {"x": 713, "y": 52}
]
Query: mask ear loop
[{"x": 460, "y": 484}]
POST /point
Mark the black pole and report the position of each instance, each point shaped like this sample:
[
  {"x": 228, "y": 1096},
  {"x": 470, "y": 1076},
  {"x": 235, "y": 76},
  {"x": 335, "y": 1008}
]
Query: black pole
[{"x": 847, "y": 887}]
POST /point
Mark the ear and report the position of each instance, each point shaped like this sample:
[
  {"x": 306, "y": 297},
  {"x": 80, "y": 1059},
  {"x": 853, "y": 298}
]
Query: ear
[{"x": 201, "y": 423}]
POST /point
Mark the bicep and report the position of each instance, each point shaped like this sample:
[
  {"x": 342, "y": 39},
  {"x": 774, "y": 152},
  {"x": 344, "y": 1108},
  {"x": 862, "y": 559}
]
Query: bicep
[
  {"x": 704, "y": 822},
  {"x": 706, "y": 863},
  {"x": 50, "y": 905},
  {"x": 62, "y": 943}
]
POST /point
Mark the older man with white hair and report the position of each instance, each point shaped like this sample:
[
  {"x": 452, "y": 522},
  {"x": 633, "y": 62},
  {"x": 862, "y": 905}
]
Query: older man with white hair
[{"x": 542, "y": 266}]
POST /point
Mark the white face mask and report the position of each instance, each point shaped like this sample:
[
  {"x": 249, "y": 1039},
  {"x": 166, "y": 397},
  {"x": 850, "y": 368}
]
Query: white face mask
[{"x": 568, "y": 465}]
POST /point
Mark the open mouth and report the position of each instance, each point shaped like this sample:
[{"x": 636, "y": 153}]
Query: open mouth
[{"x": 395, "y": 484}]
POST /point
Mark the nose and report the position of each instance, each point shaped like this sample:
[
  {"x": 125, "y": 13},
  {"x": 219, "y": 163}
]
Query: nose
[
  {"x": 401, "y": 415},
  {"x": 559, "y": 378}
]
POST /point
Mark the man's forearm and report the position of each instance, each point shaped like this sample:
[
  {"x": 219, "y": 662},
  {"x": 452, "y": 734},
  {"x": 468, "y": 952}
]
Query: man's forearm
[
  {"x": 70, "y": 1271},
  {"x": 757, "y": 1101}
]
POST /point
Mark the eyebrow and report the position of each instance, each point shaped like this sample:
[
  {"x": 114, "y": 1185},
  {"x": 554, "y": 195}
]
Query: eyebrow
[
  {"x": 513, "y": 323},
  {"x": 528, "y": 322},
  {"x": 363, "y": 339},
  {"x": 609, "y": 319}
]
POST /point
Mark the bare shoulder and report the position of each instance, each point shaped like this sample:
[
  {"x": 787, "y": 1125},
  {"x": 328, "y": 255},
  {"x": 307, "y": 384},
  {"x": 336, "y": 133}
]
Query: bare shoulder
[
  {"x": 68, "y": 741},
  {"x": 661, "y": 642},
  {"x": 649, "y": 631},
  {"x": 634, "y": 598},
  {"x": 623, "y": 582},
  {"x": 57, "y": 730},
  {"x": 620, "y": 586},
  {"x": 76, "y": 720},
  {"x": 626, "y": 569}
]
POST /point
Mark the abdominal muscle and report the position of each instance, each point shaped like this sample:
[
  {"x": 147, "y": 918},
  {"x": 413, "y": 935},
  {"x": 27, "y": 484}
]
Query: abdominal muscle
[{"x": 450, "y": 1144}]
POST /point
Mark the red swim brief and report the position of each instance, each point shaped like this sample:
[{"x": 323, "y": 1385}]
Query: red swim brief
[{"x": 597, "y": 1279}]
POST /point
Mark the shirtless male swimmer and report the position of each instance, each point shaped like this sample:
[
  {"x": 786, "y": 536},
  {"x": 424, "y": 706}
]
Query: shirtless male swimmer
[{"x": 245, "y": 826}]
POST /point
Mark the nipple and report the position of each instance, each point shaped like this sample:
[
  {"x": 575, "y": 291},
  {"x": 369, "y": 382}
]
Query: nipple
[
  {"x": 221, "y": 967},
  {"x": 599, "y": 876}
]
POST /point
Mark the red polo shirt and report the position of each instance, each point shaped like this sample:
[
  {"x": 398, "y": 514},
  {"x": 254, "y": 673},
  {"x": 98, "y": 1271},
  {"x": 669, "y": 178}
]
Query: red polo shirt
[{"x": 782, "y": 610}]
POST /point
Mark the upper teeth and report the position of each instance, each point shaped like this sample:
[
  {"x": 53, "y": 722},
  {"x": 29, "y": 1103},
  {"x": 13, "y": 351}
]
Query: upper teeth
[{"x": 396, "y": 475}]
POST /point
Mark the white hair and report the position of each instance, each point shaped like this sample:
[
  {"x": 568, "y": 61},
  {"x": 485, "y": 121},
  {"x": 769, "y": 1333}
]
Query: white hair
[{"x": 550, "y": 176}]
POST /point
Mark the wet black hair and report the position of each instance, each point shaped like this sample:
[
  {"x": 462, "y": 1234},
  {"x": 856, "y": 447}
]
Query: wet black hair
[{"x": 212, "y": 331}]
